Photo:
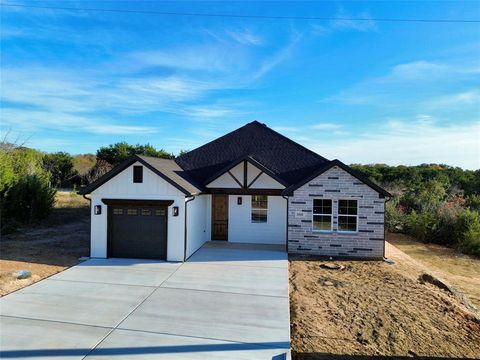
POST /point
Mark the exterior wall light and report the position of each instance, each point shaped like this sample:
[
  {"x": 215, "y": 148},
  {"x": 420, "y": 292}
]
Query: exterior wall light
[
  {"x": 239, "y": 200},
  {"x": 175, "y": 211},
  {"x": 97, "y": 209}
]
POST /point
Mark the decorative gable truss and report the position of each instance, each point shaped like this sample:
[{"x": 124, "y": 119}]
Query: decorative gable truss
[{"x": 246, "y": 176}]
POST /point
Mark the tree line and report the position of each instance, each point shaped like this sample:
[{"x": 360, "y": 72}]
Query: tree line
[
  {"x": 431, "y": 202},
  {"x": 29, "y": 178}
]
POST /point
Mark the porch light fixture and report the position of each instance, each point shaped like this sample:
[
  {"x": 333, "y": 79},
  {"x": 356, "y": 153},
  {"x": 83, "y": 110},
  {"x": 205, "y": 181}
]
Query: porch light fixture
[
  {"x": 175, "y": 211},
  {"x": 97, "y": 209},
  {"x": 239, "y": 200}
]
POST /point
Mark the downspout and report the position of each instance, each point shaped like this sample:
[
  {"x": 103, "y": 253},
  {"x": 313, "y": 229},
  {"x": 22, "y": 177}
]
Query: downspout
[
  {"x": 384, "y": 237},
  {"x": 286, "y": 226},
  {"x": 90, "y": 240},
  {"x": 187, "y": 200}
]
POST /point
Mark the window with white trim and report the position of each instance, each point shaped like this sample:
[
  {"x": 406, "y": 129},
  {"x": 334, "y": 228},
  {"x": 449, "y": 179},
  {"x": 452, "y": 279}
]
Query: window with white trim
[
  {"x": 322, "y": 215},
  {"x": 259, "y": 208},
  {"x": 348, "y": 215}
]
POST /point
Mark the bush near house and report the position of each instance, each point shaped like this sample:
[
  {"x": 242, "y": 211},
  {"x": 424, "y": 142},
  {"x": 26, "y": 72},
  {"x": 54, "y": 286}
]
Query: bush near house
[{"x": 433, "y": 203}]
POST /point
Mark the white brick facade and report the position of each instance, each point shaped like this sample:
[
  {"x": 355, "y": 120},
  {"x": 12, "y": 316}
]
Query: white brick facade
[{"x": 336, "y": 184}]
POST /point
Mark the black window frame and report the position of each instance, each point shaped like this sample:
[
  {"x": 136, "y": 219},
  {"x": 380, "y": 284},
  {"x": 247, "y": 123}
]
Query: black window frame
[
  {"x": 347, "y": 215},
  {"x": 138, "y": 174},
  {"x": 322, "y": 214},
  {"x": 259, "y": 212}
]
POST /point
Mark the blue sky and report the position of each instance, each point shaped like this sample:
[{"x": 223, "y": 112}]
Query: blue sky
[{"x": 369, "y": 91}]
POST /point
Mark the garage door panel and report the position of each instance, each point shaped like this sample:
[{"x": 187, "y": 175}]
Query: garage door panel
[{"x": 138, "y": 232}]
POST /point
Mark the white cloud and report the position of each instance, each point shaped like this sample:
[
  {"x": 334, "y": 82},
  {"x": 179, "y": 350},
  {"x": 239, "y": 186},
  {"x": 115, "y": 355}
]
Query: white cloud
[
  {"x": 282, "y": 55},
  {"x": 29, "y": 121},
  {"x": 406, "y": 82},
  {"x": 198, "y": 57},
  {"x": 407, "y": 142},
  {"x": 326, "y": 126},
  {"x": 245, "y": 37},
  {"x": 471, "y": 97}
]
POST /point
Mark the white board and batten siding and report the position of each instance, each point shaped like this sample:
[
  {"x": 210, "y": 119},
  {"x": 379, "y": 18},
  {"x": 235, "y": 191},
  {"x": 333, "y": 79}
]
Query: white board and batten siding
[
  {"x": 242, "y": 230},
  {"x": 197, "y": 218},
  {"x": 153, "y": 187}
]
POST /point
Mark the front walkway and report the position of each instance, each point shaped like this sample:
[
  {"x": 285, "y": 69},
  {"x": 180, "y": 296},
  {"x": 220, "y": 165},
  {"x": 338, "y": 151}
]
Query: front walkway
[{"x": 227, "y": 302}]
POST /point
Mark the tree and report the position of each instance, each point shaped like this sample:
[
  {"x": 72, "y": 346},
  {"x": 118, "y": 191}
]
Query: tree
[
  {"x": 60, "y": 167},
  {"x": 116, "y": 153},
  {"x": 28, "y": 200}
]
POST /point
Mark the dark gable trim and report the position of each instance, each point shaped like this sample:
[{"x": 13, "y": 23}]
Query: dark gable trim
[
  {"x": 245, "y": 160},
  {"x": 348, "y": 169},
  {"x": 244, "y": 191},
  {"x": 132, "y": 202},
  {"x": 122, "y": 166}
]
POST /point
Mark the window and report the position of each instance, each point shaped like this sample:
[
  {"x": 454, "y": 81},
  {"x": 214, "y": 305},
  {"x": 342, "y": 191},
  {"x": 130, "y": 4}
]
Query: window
[
  {"x": 131, "y": 211},
  {"x": 322, "y": 215},
  {"x": 117, "y": 211},
  {"x": 347, "y": 215},
  {"x": 146, "y": 212},
  {"x": 259, "y": 208},
  {"x": 138, "y": 174}
]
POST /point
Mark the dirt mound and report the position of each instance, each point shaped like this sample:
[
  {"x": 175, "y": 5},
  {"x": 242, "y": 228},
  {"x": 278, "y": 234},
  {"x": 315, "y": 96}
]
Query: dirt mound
[{"x": 373, "y": 308}]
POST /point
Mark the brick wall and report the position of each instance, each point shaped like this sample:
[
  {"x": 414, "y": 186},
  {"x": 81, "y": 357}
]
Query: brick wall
[{"x": 336, "y": 184}]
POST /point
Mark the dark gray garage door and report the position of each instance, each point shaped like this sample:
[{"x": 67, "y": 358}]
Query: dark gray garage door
[{"x": 137, "y": 232}]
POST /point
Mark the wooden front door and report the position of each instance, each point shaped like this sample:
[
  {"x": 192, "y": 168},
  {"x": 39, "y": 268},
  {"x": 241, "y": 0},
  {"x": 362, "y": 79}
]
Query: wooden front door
[{"x": 219, "y": 217}]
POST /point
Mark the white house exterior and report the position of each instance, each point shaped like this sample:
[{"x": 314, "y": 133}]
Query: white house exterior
[{"x": 250, "y": 186}]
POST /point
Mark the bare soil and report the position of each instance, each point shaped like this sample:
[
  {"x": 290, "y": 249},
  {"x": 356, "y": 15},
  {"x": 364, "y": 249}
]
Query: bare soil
[
  {"x": 48, "y": 248},
  {"x": 372, "y": 309},
  {"x": 459, "y": 270}
]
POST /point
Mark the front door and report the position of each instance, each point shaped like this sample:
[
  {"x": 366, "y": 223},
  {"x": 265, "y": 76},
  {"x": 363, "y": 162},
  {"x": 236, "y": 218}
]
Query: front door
[{"x": 219, "y": 217}]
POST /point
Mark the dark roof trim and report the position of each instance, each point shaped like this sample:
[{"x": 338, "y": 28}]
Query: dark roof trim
[
  {"x": 137, "y": 202},
  {"x": 244, "y": 191},
  {"x": 238, "y": 161},
  {"x": 122, "y": 166},
  {"x": 329, "y": 165}
]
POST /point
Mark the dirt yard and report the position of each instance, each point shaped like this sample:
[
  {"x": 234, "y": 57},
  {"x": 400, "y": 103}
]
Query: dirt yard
[
  {"x": 47, "y": 248},
  {"x": 459, "y": 270},
  {"x": 376, "y": 309}
]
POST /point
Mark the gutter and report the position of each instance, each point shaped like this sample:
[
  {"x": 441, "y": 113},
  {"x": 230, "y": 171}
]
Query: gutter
[
  {"x": 187, "y": 200},
  {"x": 384, "y": 237}
]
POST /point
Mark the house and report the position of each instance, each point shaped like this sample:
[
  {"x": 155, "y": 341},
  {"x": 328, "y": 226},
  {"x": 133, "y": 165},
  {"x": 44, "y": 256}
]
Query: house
[{"x": 252, "y": 185}]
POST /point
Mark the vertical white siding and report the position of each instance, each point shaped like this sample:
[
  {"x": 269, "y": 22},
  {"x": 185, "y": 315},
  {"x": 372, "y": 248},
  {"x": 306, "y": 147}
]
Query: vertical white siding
[
  {"x": 224, "y": 181},
  {"x": 241, "y": 228},
  {"x": 197, "y": 223},
  {"x": 266, "y": 182},
  {"x": 153, "y": 187}
]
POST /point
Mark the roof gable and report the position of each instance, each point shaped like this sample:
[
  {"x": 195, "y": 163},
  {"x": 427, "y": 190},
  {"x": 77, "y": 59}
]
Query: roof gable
[
  {"x": 288, "y": 161},
  {"x": 165, "y": 168},
  {"x": 348, "y": 169}
]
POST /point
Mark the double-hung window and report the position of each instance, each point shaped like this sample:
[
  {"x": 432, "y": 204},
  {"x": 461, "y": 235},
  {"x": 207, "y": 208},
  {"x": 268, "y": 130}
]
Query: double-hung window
[
  {"x": 259, "y": 208},
  {"x": 348, "y": 215},
  {"x": 322, "y": 215}
]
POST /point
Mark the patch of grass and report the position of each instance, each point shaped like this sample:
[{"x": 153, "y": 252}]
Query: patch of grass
[{"x": 69, "y": 207}]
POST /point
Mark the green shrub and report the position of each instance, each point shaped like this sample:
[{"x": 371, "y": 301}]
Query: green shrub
[
  {"x": 422, "y": 226},
  {"x": 28, "y": 200},
  {"x": 473, "y": 202},
  {"x": 468, "y": 232},
  {"x": 394, "y": 216}
]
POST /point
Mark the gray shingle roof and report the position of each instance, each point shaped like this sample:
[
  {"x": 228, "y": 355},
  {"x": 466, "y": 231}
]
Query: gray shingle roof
[{"x": 290, "y": 161}]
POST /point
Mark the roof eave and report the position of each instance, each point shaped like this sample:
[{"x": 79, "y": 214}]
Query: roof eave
[
  {"x": 384, "y": 193},
  {"x": 122, "y": 166}
]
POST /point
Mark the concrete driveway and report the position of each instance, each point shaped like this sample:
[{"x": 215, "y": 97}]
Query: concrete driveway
[{"x": 229, "y": 301}]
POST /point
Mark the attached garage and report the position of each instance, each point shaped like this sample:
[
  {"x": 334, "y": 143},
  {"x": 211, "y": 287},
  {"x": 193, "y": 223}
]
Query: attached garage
[{"x": 137, "y": 228}]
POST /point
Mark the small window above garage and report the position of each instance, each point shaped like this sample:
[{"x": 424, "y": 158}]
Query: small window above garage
[{"x": 138, "y": 174}]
